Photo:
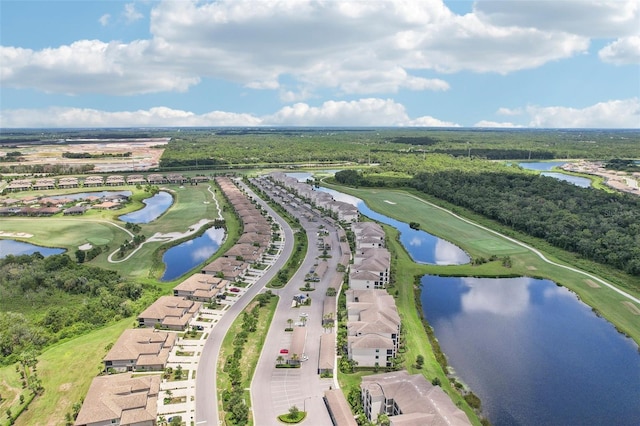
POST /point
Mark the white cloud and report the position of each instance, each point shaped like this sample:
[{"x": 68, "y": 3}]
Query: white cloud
[
  {"x": 509, "y": 111},
  {"x": 130, "y": 13},
  {"x": 92, "y": 66},
  {"x": 362, "y": 112},
  {"x": 504, "y": 124},
  {"x": 349, "y": 47},
  {"x": 104, "y": 19},
  {"x": 610, "y": 114},
  {"x": 428, "y": 121},
  {"x": 589, "y": 18},
  {"x": 623, "y": 51}
]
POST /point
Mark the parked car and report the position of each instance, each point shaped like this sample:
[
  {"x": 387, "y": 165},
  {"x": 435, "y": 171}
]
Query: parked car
[
  {"x": 284, "y": 351},
  {"x": 234, "y": 290}
]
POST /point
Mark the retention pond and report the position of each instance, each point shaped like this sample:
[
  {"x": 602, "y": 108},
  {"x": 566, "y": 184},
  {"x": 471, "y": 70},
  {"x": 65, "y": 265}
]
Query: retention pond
[{"x": 533, "y": 352}]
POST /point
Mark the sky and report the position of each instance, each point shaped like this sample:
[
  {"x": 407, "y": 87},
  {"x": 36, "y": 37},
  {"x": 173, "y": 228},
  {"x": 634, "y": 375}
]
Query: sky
[{"x": 406, "y": 63}]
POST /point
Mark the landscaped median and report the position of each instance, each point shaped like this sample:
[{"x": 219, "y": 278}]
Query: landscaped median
[{"x": 239, "y": 356}]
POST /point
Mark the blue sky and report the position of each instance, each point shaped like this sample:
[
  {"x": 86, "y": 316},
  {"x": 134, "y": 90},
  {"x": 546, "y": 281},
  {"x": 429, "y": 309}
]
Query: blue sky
[{"x": 508, "y": 63}]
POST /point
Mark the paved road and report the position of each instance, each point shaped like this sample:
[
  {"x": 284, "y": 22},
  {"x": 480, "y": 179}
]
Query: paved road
[
  {"x": 274, "y": 391},
  {"x": 206, "y": 400}
]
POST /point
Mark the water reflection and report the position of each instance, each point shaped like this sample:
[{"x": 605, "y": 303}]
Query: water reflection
[
  {"x": 422, "y": 246},
  {"x": 576, "y": 180},
  {"x": 153, "y": 209},
  {"x": 18, "y": 248},
  {"x": 186, "y": 256},
  {"x": 533, "y": 352},
  {"x": 83, "y": 195}
]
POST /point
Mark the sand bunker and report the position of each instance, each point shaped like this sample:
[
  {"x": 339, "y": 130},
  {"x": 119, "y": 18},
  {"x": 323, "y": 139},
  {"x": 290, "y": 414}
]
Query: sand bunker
[
  {"x": 85, "y": 247},
  {"x": 631, "y": 307},
  {"x": 592, "y": 284},
  {"x": 15, "y": 234}
]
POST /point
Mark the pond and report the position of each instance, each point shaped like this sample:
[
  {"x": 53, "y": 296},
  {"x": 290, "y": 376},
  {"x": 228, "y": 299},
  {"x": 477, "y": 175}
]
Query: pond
[
  {"x": 422, "y": 246},
  {"x": 186, "y": 256},
  {"x": 303, "y": 176},
  {"x": 17, "y": 248},
  {"x": 546, "y": 166},
  {"x": 534, "y": 353},
  {"x": 153, "y": 209}
]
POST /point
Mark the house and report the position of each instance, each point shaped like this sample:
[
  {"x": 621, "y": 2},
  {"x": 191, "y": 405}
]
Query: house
[
  {"x": 19, "y": 185},
  {"x": 156, "y": 179},
  {"x": 45, "y": 183},
  {"x": 227, "y": 268},
  {"x": 200, "y": 287},
  {"x": 136, "y": 180},
  {"x": 176, "y": 178},
  {"x": 68, "y": 182},
  {"x": 114, "y": 180},
  {"x": 120, "y": 399},
  {"x": 75, "y": 210},
  {"x": 140, "y": 349},
  {"x": 93, "y": 181},
  {"x": 408, "y": 400},
  {"x": 169, "y": 312}
]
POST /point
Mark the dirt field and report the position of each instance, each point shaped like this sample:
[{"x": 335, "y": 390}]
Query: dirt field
[
  {"x": 621, "y": 181},
  {"x": 145, "y": 153}
]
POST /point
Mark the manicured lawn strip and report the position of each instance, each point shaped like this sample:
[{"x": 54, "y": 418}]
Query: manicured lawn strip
[
  {"x": 417, "y": 343},
  {"x": 525, "y": 263},
  {"x": 66, "y": 371},
  {"x": 250, "y": 352}
]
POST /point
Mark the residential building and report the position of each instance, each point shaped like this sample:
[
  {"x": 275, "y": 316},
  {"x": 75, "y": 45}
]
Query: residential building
[
  {"x": 169, "y": 312},
  {"x": 408, "y": 400},
  {"x": 120, "y": 399},
  {"x": 140, "y": 349}
]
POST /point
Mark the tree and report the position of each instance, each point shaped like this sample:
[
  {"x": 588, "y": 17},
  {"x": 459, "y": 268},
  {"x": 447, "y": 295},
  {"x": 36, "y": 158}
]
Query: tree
[
  {"x": 280, "y": 359},
  {"x": 294, "y": 412},
  {"x": 419, "y": 361}
]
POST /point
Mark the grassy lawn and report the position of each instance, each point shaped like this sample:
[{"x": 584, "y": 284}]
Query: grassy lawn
[{"x": 66, "y": 371}]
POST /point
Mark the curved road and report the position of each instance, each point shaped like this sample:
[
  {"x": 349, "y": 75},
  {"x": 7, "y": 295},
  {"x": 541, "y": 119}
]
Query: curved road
[{"x": 206, "y": 392}]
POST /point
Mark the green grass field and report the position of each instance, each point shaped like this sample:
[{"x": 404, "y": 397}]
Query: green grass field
[{"x": 66, "y": 371}]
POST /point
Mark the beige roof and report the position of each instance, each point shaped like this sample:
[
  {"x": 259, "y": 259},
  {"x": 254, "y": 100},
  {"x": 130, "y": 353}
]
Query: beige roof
[
  {"x": 120, "y": 396},
  {"x": 370, "y": 341},
  {"x": 171, "y": 310},
  {"x": 414, "y": 394},
  {"x": 135, "y": 343},
  {"x": 198, "y": 282},
  {"x": 327, "y": 351},
  {"x": 297, "y": 341},
  {"x": 339, "y": 408}
]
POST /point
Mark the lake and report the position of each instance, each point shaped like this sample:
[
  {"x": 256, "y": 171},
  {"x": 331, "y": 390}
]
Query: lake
[
  {"x": 422, "y": 246},
  {"x": 546, "y": 166},
  {"x": 153, "y": 209},
  {"x": 533, "y": 353},
  {"x": 17, "y": 248},
  {"x": 186, "y": 256}
]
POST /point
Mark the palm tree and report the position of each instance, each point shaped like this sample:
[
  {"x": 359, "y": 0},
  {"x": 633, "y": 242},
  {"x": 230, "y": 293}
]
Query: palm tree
[
  {"x": 280, "y": 359},
  {"x": 290, "y": 321}
]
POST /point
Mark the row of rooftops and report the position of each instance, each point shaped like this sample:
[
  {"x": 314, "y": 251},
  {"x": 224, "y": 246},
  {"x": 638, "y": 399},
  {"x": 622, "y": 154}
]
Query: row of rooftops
[
  {"x": 345, "y": 211},
  {"x": 252, "y": 244},
  {"x": 97, "y": 180}
]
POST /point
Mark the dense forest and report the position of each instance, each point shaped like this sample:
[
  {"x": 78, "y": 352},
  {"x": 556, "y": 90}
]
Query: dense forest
[
  {"x": 43, "y": 300},
  {"x": 227, "y": 148},
  {"x": 599, "y": 226}
]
